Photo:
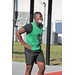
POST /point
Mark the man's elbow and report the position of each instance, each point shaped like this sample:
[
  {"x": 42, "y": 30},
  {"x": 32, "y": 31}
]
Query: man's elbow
[{"x": 16, "y": 33}]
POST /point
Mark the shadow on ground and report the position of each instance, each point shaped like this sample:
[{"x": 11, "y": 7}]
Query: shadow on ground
[{"x": 18, "y": 52}]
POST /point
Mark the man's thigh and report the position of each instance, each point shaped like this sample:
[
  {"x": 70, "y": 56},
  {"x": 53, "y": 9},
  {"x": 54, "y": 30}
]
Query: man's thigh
[
  {"x": 29, "y": 57},
  {"x": 40, "y": 58}
]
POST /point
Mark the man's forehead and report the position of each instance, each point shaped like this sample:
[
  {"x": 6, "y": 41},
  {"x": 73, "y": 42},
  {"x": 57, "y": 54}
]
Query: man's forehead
[{"x": 39, "y": 15}]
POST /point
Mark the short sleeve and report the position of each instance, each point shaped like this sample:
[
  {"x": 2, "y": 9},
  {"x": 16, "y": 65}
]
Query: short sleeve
[{"x": 28, "y": 28}]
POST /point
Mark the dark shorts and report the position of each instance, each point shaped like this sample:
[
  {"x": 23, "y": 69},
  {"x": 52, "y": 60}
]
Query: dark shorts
[{"x": 33, "y": 56}]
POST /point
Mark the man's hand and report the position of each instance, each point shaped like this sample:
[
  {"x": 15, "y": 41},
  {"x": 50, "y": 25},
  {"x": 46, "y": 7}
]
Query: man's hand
[{"x": 28, "y": 46}]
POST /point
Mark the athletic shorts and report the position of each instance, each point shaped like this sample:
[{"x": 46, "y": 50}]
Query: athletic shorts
[{"x": 33, "y": 56}]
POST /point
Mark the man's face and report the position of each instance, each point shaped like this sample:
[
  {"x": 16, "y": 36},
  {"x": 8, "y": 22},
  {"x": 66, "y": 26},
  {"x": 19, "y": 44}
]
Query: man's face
[{"x": 39, "y": 17}]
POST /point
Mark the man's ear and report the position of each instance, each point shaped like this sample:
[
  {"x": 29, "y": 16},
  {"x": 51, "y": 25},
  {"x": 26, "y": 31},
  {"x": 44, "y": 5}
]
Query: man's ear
[{"x": 36, "y": 18}]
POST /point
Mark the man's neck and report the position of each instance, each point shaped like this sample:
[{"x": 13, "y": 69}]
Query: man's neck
[{"x": 37, "y": 23}]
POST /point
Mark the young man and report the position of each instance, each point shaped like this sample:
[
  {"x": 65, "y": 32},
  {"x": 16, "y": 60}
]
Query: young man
[{"x": 33, "y": 51}]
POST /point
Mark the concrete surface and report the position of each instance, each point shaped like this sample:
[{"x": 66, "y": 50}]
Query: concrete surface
[{"x": 19, "y": 68}]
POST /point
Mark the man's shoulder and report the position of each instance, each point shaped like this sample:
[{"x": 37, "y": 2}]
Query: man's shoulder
[
  {"x": 28, "y": 28},
  {"x": 28, "y": 24}
]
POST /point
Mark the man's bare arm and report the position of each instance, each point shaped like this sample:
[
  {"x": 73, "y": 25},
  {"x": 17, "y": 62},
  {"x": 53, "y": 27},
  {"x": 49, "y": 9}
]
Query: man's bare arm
[{"x": 18, "y": 34}]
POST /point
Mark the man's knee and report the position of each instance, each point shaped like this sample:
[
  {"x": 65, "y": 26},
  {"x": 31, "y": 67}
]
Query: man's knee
[
  {"x": 42, "y": 68},
  {"x": 29, "y": 68}
]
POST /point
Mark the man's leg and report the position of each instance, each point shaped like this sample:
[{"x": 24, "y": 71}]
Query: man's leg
[
  {"x": 29, "y": 61},
  {"x": 28, "y": 69},
  {"x": 41, "y": 66},
  {"x": 41, "y": 63}
]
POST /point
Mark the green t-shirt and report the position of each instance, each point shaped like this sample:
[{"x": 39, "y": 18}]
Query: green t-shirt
[{"x": 35, "y": 37}]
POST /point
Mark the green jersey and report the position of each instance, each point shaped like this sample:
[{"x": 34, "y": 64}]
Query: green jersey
[{"x": 35, "y": 37}]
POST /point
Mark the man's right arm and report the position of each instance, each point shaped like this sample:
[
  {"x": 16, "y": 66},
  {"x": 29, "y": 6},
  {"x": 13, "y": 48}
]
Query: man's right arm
[{"x": 18, "y": 34}]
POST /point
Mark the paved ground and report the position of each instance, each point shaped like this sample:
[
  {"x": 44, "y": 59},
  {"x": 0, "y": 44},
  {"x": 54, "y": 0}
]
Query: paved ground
[{"x": 19, "y": 68}]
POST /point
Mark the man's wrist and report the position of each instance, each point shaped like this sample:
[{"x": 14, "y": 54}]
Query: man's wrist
[{"x": 25, "y": 44}]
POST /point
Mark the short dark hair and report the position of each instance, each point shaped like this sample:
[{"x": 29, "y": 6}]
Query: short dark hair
[{"x": 34, "y": 15}]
